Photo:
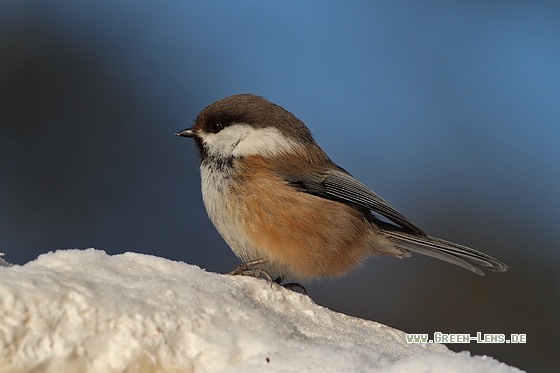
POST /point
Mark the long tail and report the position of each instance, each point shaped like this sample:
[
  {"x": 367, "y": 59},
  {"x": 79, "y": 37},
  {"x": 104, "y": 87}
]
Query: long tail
[{"x": 450, "y": 252}]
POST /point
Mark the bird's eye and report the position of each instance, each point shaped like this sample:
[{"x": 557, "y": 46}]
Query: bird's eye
[{"x": 216, "y": 127}]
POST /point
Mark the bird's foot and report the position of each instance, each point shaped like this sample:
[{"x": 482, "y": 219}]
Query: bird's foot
[
  {"x": 290, "y": 285},
  {"x": 249, "y": 269}
]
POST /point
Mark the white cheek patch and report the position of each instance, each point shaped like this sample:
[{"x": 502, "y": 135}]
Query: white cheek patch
[
  {"x": 244, "y": 140},
  {"x": 263, "y": 141},
  {"x": 223, "y": 142}
]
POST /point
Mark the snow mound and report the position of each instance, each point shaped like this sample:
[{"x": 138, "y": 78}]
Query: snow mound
[{"x": 86, "y": 311}]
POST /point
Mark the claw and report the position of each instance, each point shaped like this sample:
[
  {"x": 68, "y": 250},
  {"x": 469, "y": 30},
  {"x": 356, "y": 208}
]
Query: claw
[
  {"x": 290, "y": 285},
  {"x": 249, "y": 269}
]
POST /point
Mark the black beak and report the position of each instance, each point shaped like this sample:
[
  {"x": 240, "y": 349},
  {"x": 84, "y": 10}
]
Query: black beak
[{"x": 186, "y": 133}]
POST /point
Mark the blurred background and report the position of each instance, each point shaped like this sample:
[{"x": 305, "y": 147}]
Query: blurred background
[{"x": 451, "y": 112}]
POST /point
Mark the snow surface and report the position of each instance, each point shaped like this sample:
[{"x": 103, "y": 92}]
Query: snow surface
[{"x": 86, "y": 311}]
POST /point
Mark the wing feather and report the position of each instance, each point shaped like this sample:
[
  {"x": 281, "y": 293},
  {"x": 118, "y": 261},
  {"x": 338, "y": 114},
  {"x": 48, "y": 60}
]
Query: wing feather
[{"x": 337, "y": 184}]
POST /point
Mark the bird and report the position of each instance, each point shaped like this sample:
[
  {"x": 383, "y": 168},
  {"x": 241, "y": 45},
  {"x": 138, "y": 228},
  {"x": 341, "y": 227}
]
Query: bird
[{"x": 286, "y": 209}]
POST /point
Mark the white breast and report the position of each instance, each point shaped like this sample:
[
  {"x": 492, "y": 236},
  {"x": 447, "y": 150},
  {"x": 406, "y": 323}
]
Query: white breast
[{"x": 223, "y": 212}]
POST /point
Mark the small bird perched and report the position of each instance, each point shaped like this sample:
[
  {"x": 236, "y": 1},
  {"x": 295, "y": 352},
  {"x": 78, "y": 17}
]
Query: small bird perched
[{"x": 284, "y": 207}]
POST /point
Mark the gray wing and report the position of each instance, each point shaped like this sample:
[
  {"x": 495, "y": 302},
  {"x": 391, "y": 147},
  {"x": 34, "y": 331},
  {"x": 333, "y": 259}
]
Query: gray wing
[{"x": 337, "y": 184}]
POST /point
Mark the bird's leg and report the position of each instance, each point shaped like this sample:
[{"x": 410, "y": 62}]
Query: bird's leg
[
  {"x": 290, "y": 285},
  {"x": 249, "y": 269}
]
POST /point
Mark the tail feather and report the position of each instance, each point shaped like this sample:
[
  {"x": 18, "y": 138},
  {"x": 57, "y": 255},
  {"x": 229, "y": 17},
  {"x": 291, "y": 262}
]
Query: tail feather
[{"x": 460, "y": 255}]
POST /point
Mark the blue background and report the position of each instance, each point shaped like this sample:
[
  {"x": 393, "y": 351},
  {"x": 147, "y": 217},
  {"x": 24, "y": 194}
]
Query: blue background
[{"x": 450, "y": 111}]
